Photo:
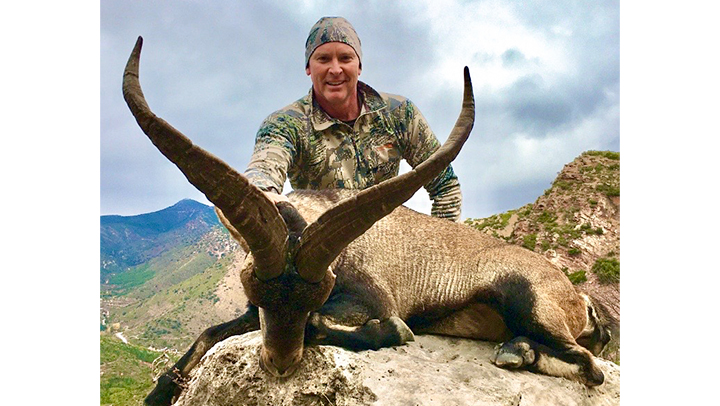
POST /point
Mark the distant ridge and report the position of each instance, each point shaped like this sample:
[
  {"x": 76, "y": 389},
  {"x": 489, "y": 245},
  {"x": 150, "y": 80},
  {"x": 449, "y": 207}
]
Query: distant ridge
[
  {"x": 126, "y": 241},
  {"x": 161, "y": 217}
]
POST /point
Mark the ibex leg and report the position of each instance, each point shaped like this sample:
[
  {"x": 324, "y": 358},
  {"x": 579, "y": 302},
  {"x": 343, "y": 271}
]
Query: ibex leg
[
  {"x": 543, "y": 343},
  {"x": 573, "y": 362},
  {"x": 346, "y": 322}
]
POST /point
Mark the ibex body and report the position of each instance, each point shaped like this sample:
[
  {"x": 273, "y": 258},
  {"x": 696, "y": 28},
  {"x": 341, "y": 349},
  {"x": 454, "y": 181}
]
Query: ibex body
[
  {"x": 354, "y": 269},
  {"x": 415, "y": 273}
]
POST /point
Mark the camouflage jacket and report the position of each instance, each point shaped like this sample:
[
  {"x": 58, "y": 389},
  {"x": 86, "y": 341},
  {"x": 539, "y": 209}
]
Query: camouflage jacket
[{"x": 319, "y": 152}]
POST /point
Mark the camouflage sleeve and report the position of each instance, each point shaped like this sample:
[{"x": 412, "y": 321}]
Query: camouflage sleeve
[
  {"x": 444, "y": 190},
  {"x": 273, "y": 154}
]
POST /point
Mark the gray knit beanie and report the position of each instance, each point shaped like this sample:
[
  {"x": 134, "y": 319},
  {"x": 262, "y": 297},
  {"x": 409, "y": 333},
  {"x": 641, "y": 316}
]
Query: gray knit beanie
[{"x": 332, "y": 29}]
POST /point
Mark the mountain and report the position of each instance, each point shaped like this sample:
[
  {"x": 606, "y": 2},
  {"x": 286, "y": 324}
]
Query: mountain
[
  {"x": 165, "y": 276},
  {"x": 126, "y": 241}
]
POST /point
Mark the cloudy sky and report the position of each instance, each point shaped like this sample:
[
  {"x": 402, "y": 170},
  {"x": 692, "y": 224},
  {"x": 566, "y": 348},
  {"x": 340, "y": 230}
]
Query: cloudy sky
[{"x": 546, "y": 80}]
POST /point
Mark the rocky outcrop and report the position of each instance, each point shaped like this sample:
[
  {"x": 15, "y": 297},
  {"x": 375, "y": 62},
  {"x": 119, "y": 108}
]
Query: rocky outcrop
[{"x": 432, "y": 370}]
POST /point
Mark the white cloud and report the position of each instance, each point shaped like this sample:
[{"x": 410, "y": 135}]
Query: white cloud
[{"x": 477, "y": 34}]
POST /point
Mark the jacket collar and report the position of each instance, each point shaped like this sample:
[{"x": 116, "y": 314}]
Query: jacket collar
[{"x": 371, "y": 102}]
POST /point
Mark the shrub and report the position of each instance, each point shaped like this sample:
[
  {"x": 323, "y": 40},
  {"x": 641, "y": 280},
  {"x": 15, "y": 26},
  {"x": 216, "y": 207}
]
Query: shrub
[
  {"x": 574, "y": 252},
  {"x": 607, "y": 270},
  {"x": 606, "y": 154},
  {"x": 546, "y": 217},
  {"x": 529, "y": 241},
  {"x": 608, "y": 190},
  {"x": 563, "y": 184},
  {"x": 545, "y": 245},
  {"x": 587, "y": 229},
  {"x": 577, "y": 277}
]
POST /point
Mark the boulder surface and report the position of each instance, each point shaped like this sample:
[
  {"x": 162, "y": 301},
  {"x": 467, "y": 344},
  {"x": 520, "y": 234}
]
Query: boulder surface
[{"x": 433, "y": 370}]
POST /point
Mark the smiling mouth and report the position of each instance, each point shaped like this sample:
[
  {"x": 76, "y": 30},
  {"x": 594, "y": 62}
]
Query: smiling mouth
[{"x": 335, "y": 83}]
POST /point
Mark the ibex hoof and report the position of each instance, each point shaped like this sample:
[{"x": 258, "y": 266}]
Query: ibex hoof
[
  {"x": 514, "y": 354},
  {"x": 402, "y": 329},
  {"x": 165, "y": 392}
]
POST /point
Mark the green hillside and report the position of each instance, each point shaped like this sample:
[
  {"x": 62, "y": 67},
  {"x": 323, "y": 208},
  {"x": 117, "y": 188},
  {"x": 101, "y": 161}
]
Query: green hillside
[
  {"x": 162, "y": 302},
  {"x": 125, "y": 372},
  {"x": 169, "y": 300}
]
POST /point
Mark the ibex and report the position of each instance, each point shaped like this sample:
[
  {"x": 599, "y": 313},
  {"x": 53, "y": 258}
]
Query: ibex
[{"x": 357, "y": 270}]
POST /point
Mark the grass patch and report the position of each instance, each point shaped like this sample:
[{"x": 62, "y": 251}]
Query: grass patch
[
  {"x": 608, "y": 190},
  {"x": 529, "y": 241},
  {"x": 547, "y": 217},
  {"x": 576, "y": 277},
  {"x": 545, "y": 245},
  {"x": 126, "y": 376},
  {"x": 607, "y": 154},
  {"x": 607, "y": 270},
  {"x": 573, "y": 252},
  {"x": 112, "y": 350},
  {"x": 563, "y": 184},
  {"x": 118, "y": 390},
  {"x": 496, "y": 222},
  {"x": 134, "y": 277}
]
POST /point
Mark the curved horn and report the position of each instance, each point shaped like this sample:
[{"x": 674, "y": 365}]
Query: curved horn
[
  {"x": 323, "y": 240},
  {"x": 252, "y": 214}
]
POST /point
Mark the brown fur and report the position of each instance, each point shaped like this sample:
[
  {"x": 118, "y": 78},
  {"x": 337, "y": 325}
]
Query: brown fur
[{"x": 446, "y": 278}]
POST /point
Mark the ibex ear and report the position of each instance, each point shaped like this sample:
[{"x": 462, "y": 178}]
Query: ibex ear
[
  {"x": 233, "y": 231},
  {"x": 293, "y": 219}
]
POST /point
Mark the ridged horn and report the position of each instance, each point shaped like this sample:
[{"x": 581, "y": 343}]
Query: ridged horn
[
  {"x": 245, "y": 206},
  {"x": 323, "y": 240}
]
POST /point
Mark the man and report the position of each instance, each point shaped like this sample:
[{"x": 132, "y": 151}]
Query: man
[{"x": 344, "y": 134}]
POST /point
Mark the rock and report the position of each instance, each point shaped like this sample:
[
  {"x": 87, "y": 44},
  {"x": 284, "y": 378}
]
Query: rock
[{"x": 433, "y": 370}]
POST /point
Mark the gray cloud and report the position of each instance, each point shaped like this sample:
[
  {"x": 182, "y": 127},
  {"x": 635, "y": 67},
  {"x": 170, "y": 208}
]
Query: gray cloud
[{"x": 512, "y": 57}]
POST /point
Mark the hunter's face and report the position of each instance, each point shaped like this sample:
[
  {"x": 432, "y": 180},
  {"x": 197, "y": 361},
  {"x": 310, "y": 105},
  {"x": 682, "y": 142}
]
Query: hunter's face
[{"x": 334, "y": 69}]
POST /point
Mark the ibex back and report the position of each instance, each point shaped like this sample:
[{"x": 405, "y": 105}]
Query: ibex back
[{"x": 353, "y": 269}]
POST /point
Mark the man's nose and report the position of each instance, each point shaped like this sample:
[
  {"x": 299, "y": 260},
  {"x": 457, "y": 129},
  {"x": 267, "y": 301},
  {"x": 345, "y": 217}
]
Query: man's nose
[{"x": 335, "y": 66}]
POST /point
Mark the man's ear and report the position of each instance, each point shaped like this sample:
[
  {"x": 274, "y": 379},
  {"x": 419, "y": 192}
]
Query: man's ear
[{"x": 307, "y": 70}]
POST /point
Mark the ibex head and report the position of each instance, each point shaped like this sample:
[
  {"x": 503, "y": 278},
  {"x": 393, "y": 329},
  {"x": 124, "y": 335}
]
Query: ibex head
[{"x": 288, "y": 274}]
